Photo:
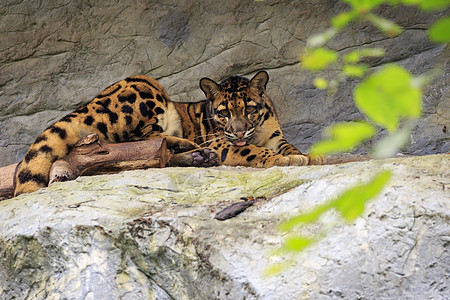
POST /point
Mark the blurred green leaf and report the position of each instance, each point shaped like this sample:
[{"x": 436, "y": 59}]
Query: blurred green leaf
[
  {"x": 320, "y": 83},
  {"x": 392, "y": 143},
  {"x": 364, "y": 5},
  {"x": 440, "y": 31},
  {"x": 318, "y": 59},
  {"x": 309, "y": 217},
  {"x": 353, "y": 3},
  {"x": 351, "y": 57},
  {"x": 387, "y": 27},
  {"x": 278, "y": 267},
  {"x": 274, "y": 269},
  {"x": 355, "y": 56},
  {"x": 318, "y": 40},
  {"x": 343, "y": 137},
  {"x": 296, "y": 244},
  {"x": 428, "y": 5},
  {"x": 387, "y": 95},
  {"x": 427, "y": 78},
  {"x": 372, "y": 52},
  {"x": 342, "y": 19},
  {"x": 351, "y": 204},
  {"x": 355, "y": 70}
]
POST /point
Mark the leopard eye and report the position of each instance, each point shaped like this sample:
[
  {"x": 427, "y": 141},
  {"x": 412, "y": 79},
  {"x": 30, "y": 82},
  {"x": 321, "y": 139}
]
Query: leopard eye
[
  {"x": 250, "y": 110},
  {"x": 224, "y": 113}
]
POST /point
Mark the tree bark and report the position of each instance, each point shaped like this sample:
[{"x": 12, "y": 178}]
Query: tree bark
[{"x": 7, "y": 181}]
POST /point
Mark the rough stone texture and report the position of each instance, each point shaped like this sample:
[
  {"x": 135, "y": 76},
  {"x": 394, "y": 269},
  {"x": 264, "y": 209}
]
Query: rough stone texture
[
  {"x": 57, "y": 55},
  {"x": 151, "y": 235}
]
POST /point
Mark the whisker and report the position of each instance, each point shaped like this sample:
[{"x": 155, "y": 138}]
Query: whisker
[
  {"x": 205, "y": 135},
  {"x": 210, "y": 140},
  {"x": 264, "y": 130},
  {"x": 208, "y": 119}
]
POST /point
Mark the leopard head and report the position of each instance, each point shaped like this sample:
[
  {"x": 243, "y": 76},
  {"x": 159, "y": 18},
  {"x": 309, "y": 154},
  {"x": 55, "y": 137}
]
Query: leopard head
[{"x": 237, "y": 105}]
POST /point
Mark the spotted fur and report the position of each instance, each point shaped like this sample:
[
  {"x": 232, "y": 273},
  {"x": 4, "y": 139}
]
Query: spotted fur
[{"x": 236, "y": 125}]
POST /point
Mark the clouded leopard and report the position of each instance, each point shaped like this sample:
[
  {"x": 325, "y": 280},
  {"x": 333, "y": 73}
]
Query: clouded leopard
[{"x": 236, "y": 125}]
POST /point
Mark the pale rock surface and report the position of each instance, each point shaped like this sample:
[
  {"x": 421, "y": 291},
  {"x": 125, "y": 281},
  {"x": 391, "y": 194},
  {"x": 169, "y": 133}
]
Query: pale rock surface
[{"x": 150, "y": 234}]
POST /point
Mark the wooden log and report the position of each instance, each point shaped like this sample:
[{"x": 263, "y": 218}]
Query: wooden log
[
  {"x": 92, "y": 157},
  {"x": 7, "y": 181}
]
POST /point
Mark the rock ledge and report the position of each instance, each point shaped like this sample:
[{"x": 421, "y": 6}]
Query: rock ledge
[{"x": 151, "y": 235}]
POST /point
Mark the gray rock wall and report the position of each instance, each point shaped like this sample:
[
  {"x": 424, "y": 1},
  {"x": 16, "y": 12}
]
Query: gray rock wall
[{"x": 57, "y": 55}]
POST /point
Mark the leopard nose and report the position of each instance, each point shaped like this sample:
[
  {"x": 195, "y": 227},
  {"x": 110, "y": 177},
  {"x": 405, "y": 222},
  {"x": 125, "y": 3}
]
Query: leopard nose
[{"x": 239, "y": 134}]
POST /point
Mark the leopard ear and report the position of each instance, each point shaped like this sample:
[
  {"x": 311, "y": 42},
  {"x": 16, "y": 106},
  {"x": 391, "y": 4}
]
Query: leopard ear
[
  {"x": 259, "y": 81},
  {"x": 209, "y": 87}
]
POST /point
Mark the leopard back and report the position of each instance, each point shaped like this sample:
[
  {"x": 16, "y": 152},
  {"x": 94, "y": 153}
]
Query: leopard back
[{"x": 132, "y": 109}]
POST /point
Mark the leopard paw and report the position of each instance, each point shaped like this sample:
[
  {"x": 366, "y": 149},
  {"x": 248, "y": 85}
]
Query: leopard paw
[
  {"x": 203, "y": 157},
  {"x": 298, "y": 160},
  {"x": 179, "y": 145},
  {"x": 292, "y": 160},
  {"x": 317, "y": 159}
]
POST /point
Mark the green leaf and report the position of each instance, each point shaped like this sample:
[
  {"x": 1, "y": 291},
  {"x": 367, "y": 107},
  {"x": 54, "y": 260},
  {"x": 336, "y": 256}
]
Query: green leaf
[
  {"x": 275, "y": 268},
  {"x": 351, "y": 204},
  {"x": 355, "y": 70},
  {"x": 392, "y": 143},
  {"x": 318, "y": 59},
  {"x": 428, "y": 5},
  {"x": 372, "y": 52},
  {"x": 343, "y": 137},
  {"x": 387, "y": 27},
  {"x": 355, "y": 56},
  {"x": 306, "y": 218},
  {"x": 296, "y": 244},
  {"x": 342, "y": 19},
  {"x": 425, "y": 79},
  {"x": 387, "y": 95},
  {"x": 364, "y": 5},
  {"x": 351, "y": 57},
  {"x": 318, "y": 40},
  {"x": 440, "y": 31},
  {"x": 354, "y": 3},
  {"x": 320, "y": 83}
]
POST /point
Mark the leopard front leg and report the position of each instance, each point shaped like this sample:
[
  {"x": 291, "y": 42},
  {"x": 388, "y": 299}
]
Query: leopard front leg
[
  {"x": 179, "y": 145},
  {"x": 281, "y": 146},
  {"x": 254, "y": 156},
  {"x": 188, "y": 154}
]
